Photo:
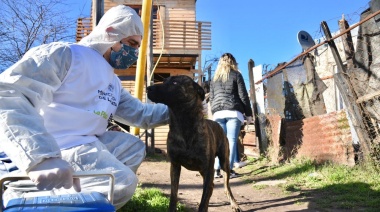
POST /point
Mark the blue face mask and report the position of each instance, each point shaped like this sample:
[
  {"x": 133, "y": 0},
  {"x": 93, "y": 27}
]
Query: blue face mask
[{"x": 124, "y": 58}]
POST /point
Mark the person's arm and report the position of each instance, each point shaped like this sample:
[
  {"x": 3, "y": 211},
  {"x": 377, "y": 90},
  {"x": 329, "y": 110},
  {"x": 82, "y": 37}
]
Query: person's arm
[
  {"x": 24, "y": 88},
  {"x": 243, "y": 94},
  {"x": 131, "y": 111},
  {"x": 211, "y": 94}
]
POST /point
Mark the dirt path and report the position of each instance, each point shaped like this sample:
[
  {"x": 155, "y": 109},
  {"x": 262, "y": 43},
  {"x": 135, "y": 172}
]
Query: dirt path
[{"x": 153, "y": 173}]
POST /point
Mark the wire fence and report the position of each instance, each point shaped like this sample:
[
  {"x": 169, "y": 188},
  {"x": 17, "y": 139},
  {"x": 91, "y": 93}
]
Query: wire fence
[{"x": 341, "y": 71}]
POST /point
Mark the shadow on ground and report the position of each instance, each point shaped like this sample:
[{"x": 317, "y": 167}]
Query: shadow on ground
[{"x": 358, "y": 196}]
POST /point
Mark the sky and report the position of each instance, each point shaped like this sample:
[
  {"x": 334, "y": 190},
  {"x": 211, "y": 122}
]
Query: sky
[
  {"x": 262, "y": 30},
  {"x": 266, "y": 30}
]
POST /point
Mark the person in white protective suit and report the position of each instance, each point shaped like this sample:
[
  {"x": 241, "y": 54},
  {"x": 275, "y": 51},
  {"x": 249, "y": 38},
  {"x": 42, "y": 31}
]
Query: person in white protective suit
[{"x": 55, "y": 104}]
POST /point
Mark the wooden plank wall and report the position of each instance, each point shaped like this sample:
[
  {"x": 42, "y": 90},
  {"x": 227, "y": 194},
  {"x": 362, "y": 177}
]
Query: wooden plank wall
[
  {"x": 172, "y": 72},
  {"x": 174, "y": 9},
  {"x": 179, "y": 10},
  {"x": 160, "y": 133}
]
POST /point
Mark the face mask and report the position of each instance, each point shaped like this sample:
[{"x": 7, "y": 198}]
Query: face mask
[{"x": 124, "y": 58}]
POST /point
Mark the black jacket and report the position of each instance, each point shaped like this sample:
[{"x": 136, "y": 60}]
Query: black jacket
[{"x": 231, "y": 95}]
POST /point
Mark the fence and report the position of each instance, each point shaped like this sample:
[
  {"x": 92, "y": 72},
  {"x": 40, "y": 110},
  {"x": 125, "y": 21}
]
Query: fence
[
  {"x": 339, "y": 73},
  {"x": 189, "y": 35}
]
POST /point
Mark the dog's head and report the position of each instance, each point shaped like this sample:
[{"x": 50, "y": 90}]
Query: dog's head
[{"x": 176, "y": 90}]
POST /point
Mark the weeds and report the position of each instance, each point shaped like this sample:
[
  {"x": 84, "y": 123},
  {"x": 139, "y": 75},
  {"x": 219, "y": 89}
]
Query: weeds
[{"x": 329, "y": 185}]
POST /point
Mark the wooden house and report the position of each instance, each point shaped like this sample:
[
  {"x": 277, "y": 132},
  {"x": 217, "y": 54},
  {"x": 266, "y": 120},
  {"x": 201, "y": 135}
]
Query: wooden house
[{"x": 176, "y": 43}]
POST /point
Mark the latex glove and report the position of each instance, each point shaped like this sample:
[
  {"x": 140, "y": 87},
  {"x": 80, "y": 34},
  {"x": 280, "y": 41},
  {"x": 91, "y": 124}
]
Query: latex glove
[
  {"x": 249, "y": 119},
  {"x": 54, "y": 173}
]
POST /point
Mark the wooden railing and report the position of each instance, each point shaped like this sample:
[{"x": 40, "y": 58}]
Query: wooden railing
[
  {"x": 84, "y": 27},
  {"x": 187, "y": 35}
]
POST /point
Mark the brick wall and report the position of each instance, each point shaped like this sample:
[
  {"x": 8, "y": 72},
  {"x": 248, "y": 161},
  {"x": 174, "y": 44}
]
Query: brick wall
[{"x": 321, "y": 138}]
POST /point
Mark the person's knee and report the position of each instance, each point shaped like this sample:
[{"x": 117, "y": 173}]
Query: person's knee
[{"x": 123, "y": 193}]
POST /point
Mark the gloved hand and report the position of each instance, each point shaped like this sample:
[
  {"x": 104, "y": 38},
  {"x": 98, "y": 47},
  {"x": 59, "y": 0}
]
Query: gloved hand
[
  {"x": 54, "y": 173},
  {"x": 249, "y": 119}
]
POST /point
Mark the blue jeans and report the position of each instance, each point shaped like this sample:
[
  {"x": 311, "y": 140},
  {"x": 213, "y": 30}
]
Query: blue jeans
[{"x": 231, "y": 127}]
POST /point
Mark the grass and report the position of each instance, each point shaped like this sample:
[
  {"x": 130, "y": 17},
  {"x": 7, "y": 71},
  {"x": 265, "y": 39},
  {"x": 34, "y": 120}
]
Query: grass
[
  {"x": 152, "y": 200},
  {"x": 328, "y": 185}
]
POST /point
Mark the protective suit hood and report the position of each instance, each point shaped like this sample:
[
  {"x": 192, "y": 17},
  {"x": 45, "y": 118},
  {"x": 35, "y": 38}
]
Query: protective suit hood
[{"x": 117, "y": 23}]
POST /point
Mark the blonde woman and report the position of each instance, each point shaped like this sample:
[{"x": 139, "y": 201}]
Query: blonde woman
[{"x": 229, "y": 104}]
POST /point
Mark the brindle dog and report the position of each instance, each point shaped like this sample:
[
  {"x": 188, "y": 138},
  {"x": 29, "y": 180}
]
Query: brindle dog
[{"x": 193, "y": 141}]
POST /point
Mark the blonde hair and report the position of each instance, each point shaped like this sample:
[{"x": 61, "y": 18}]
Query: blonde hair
[{"x": 226, "y": 63}]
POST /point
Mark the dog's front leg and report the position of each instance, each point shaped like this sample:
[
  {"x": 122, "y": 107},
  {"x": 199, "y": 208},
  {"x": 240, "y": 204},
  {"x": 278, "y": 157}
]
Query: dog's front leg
[
  {"x": 175, "y": 172},
  {"x": 208, "y": 187}
]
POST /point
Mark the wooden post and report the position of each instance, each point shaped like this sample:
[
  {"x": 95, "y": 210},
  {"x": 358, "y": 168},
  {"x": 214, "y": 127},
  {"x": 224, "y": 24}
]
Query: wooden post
[
  {"x": 279, "y": 68},
  {"x": 149, "y": 133},
  {"x": 252, "y": 93},
  {"x": 348, "y": 44},
  {"x": 200, "y": 72},
  {"x": 349, "y": 97},
  {"x": 99, "y": 11}
]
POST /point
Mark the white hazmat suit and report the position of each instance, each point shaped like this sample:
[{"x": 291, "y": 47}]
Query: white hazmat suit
[{"x": 57, "y": 100}]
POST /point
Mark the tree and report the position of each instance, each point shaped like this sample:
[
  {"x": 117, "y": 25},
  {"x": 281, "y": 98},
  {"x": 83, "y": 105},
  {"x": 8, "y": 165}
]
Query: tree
[{"x": 29, "y": 23}]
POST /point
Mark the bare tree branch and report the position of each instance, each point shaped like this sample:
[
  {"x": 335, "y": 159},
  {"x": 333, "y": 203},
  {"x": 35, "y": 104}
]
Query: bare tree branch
[{"x": 29, "y": 23}]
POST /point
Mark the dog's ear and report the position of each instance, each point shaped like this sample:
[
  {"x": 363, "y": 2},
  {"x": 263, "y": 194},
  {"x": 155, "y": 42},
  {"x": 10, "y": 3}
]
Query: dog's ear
[{"x": 199, "y": 90}]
